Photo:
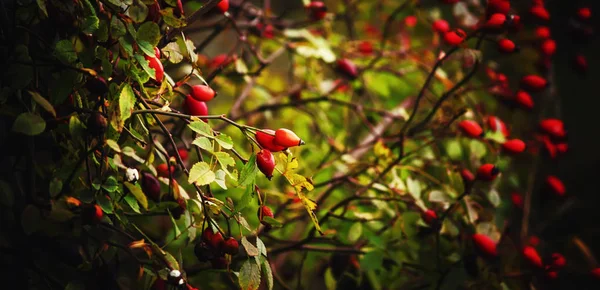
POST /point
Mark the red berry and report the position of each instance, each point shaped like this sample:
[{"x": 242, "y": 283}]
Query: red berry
[
  {"x": 162, "y": 170},
  {"x": 514, "y": 146},
  {"x": 531, "y": 255},
  {"x": 517, "y": 199},
  {"x": 347, "y": 68},
  {"x": 441, "y": 26},
  {"x": 195, "y": 108},
  {"x": 231, "y": 246},
  {"x": 487, "y": 172},
  {"x": 267, "y": 141},
  {"x": 410, "y": 21},
  {"x": 455, "y": 37},
  {"x": 562, "y": 148},
  {"x": 540, "y": 12},
  {"x": 265, "y": 162},
  {"x": 551, "y": 274},
  {"x": 223, "y": 6},
  {"x": 548, "y": 47},
  {"x": 471, "y": 128},
  {"x": 151, "y": 186},
  {"x": 218, "y": 61},
  {"x": 498, "y": 6},
  {"x": 558, "y": 261},
  {"x": 467, "y": 175},
  {"x": 155, "y": 63},
  {"x": 215, "y": 240},
  {"x": 542, "y": 32},
  {"x": 365, "y": 47},
  {"x": 534, "y": 83},
  {"x": 265, "y": 211},
  {"x": 523, "y": 99},
  {"x": 550, "y": 147},
  {"x": 506, "y": 46},
  {"x": 317, "y": 10},
  {"x": 496, "y": 124},
  {"x": 485, "y": 245},
  {"x": 496, "y": 21},
  {"x": 183, "y": 153},
  {"x": 287, "y": 138},
  {"x": 179, "y": 11},
  {"x": 556, "y": 185},
  {"x": 202, "y": 93},
  {"x": 153, "y": 12},
  {"x": 429, "y": 216},
  {"x": 534, "y": 241},
  {"x": 553, "y": 127},
  {"x": 584, "y": 13}
]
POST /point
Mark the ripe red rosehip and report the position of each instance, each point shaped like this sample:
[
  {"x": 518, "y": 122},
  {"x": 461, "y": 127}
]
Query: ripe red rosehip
[
  {"x": 365, "y": 47},
  {"x": 202, "y": 93},
  {"x": 223, "y": 6},
  {"x": 410, "y": 21},
  {"x": 441, "y": 26},
  {"x": 553, "y": 127},
  {"x": 548, "y": 47},
  {"x": 550, "y": 147},
  {"x": 496, "y": 124},
  {"x": 455, "y": 37},
  {"x": 151, "y": 186},
  {"x": 183, "y": 153},
  {"x": 347, "y": 68},
  {"x": 179, "y": 11},
  {"x": 540, "y": 12},
  {"x": 485, "y": 245},
  {"x": 267, "y": 141},
  {"x": 558, "y": 261},
  {"x": 506, "y": 46},
  {"x": 91, "y": 214},
  {"x": 551, "y": 274},
  {"x": 231, "y": 246},
  {"x": 471, "y": 128},
  {"x": 467, "y": 175},
  {"x": 534, "y": 83},
  {"x": 514, "y": 146},
  {"x": 524, "y": 100},
  {"x": 542, "y": 32},
  {"x": 562, "y": 148},
  {"x": 584, "y": 13},
  {"x": 316, "y": 10},
  {"x": 264, "y": 211},
  {"x": 495, "y": 22},
  {"x": 159, "y": 71},
  {"x": 556, "y": 185},
  {"x": 218, "y": 61},
  {"x": 531, "y": 255},
  {"x": 487, "y": 172},
  {"x": 154, "y": 12},
  {"x": 498, "y": 6},
  {"x": 429, "y": 216},
  {"x": 287, "y": 138},
  {"x": 265, "y": 162},
  {"x": 157, "y": 52},
  {"x": 517, "y": 199},
  {"x": 215, "y": 240},
  {"x": 163, "y": 171},
  {"x": 195, "y": 108},
  {"x": 534, "y": 241}
]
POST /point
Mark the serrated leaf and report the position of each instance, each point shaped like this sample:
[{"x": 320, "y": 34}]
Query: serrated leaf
[
  {"x": 171, "y": 19},
  {"x": 262, "y": 249},
  {"x": 310, "y": 205},
  {"x": 246, "y": 199},
  {"x": 201, "y": 128},
  {"x": 29, "y": 124},
  {"x": 204, "y": 143},
  {"x": 76, "y": 127},
  {"x": 273, "y": 222},
  {"x": 251, "y": 250},
  {"x": 478, "y": 149},
  {"x": 249, "y": 278},
  {"x": 224, "y": 159},
  {"x": 200, "y": 174},
  {"x": 220, "y": 178},
  {"x": 137, "y": 193},
  {"x": 42, "y": 6},
  {"x": 150, "y": 72},
  {"x": 138, "y": 12},
  {"x": 248, "y": 173},
  {"x": 267, "y": 272},
  {"x": 105, "y": 203},
  {"x": 117, "y": 27},
  {"x": 65, "y": 52},
  {"x": 172, "y": 52},
  {"x": 189, "y": 44},
  {"x": 225, "y": 141},
  {"x": 132, "y": 202},
  {"x": 414, "y": 187},
  {"x": 43, "y": 102},
  {"x": 90, "y": 24}
]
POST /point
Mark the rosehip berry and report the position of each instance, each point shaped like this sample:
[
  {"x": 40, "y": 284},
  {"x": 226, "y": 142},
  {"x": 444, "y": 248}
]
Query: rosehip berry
[
  {"x": 179, "y": 11},
  {"x": 548, "y": 47},
  {"x": 517, "y": 199},
  {"x": 441, "y": 26},
  {"x": 347, "y": 68},
  {"x": 410, "y": 21},
  {"x": 496, "y": 124},
  {"x": 215, "y": 240},
  {"x": 455, "y": 37},
  {"x": 558, "y": 261},
  {"x": 264, "y": 211},
  {"x": 524, "y": 100},
  {"x": 496, "y": 22},
  {"x": 553, "y": 127},
  {"x": 287, "y": 138},
  {"x": 534, "y": 83},
  {"x": 487, "y": 172},
  {"x": 163, "y": 171},
  {"x": 540, "y": 12},
  {"x": 151, "y": 186},
  {"x": 91, "y": 214},
  {"x": 471, "y": 128},
  {"x": 183, "y": 153},
  {"x": 542, "y": 32},
  {"x": 317, "y": 10},
  {"x": 534, "y": 241},
  {"x": 218, "y": 61},
  {"x": 556, "y": 185},
  {"x": 429, "y": 216},
  {"x": 231, "y": 246},
  {"x": 265, "y": 162},
  {"x": 498, "y": 6},
  {"x": 531, "y": 255},
  {"x": 584, "y": 13},
  {"x": 195, "y": 108},
  {"x": 159, "y": 71},
  {"x": 267, "y": 141},
  {"x": 514, "y": 146},
  {"x": 223, "y": 6},
  {"x": 562, "y": 148},
  {"x": 485, "y": 245},
  {"x": 551, "y": 274},
  {"x": 506, "y": 46},
  {"x": 202, "y": 93},
  {"x": 365, "y": 47},
  {"x": 467, "y": 175},
  {"x": 153, "y": 13}
]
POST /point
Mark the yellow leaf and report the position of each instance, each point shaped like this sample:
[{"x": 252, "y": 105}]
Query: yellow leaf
[
  {"x": 381, "y": 150},
  {"x": 310, "y": 206}
]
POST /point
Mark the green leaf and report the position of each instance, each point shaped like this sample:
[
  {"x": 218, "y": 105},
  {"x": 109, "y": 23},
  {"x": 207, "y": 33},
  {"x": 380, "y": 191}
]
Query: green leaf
[
  {"x": 90, "y": 24},
  {"x": 251, "y": 250},
  {"x": 224, "y": 159},
  {"x": 43, "y": 102},
  {"x": 105, "y": 203},
  {"x": 172, "y": 52},
  {"x": 204, "y": 143},
  {"x": 113, "y": 145},
  {"x": 149, "y": 32},
  {"x": 201, "y": 128},
  {"x": 55, "y": 187},
  {"x": 220, "y": 178},
  {"x": 248, "y": 173},
  {"x": 172, "y": 20},
  {"x": 65, "y": 52},
  {"x": 409, "y": 222},
  {"x": 478, "y": 149},
  {"x": 132, "y": 202},
  {"x": 273, "y": 222},
  {"x": 111, "y": 184},
  {"x": 126, "y": 102},
  {"x": 267, "y": 272},
  {"x": 249, "y": 278},
  {"x": 355, "y": 232},
  {"x": 29, "y": 124},
  {"x": 117, "y": 27},
  {"x": 454, "y": 149},
  {"x": 200, "y": 174},
  {"x": 225, "y": 141},
  {"x": 150, "y": 72},
  {"x": 31, "y": 219},
  {"x": 414, "y": 188},
  {"x": 42, "y": 6},
  {"x": 246, "y": 199},
  {"x": 137, "y": 192},
  {"x": 7, "y": 196},
  {"x": 372, "y": 260},
  {"x": 330, "y": 282},
  {"x": 138, "y": 11},
  {"x": 261, "y": 247}
]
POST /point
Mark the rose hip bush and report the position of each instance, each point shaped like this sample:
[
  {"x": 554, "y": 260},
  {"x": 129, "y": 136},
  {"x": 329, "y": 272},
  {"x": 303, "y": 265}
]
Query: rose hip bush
[{"x": 225, "y": 144}]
